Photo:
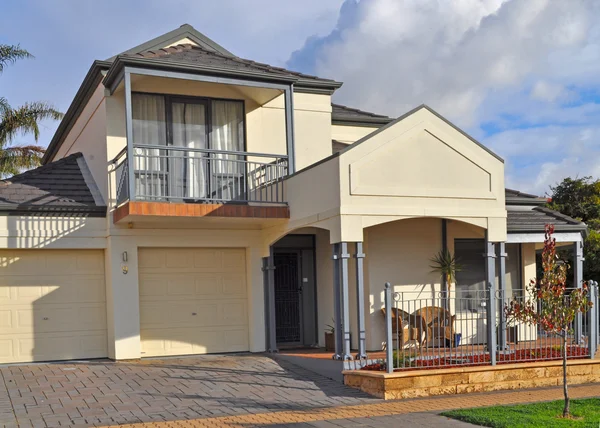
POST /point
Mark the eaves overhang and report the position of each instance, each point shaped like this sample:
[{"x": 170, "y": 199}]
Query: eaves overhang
[{"x": 300, "y": 84}]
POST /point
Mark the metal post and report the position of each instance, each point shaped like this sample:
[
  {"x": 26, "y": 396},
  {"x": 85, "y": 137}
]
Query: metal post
[
  {"x": 491, "y": 305},
  {"x": 502, "y": 342},
  {"x": 337, "y": 306},
  {"x": 288, "y": 95},
  {"x": 360, "y": 301},
  {"x": 344, "y": 256},
  {"x": 271, "y": 320},
  {"x": 578, "y": 283},
  {"x": 389, "y": 344},
  {"x": 445, "y": 285},
  {"x": 129, "y": 134},
  {"x": 593, "y": 328}
]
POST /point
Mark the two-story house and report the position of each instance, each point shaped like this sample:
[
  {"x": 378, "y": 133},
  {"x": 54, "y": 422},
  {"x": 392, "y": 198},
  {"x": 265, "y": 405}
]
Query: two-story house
[{"x": 194, "y": 202}]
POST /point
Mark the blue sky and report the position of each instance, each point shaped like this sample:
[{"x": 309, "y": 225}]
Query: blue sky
[{"x": 520, "y": 76}]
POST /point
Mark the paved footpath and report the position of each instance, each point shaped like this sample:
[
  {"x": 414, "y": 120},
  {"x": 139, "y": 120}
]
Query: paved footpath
[
  {"x": 419, "y": 412},
  {"x": 218, "y": 391}
]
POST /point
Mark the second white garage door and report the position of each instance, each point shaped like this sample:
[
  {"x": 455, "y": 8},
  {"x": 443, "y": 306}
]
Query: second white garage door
[{"x": 192, "y": 301}]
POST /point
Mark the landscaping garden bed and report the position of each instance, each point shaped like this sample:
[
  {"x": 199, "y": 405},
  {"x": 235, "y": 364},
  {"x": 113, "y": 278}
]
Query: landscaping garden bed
[{"x": 423, "y": 362}]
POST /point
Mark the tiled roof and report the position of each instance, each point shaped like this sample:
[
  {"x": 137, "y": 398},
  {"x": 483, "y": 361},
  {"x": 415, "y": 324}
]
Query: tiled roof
[
  {"x": 535, "y": 219},
  {"x": 515, "y": 197},
  {"x": 196, "y": 55},
  {"x": 64, "y": 186},
  {"x": 340, "y": 113}
]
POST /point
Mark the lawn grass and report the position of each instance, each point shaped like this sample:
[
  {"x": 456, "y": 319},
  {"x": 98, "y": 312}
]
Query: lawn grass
[{"x": 585, "y": 412}]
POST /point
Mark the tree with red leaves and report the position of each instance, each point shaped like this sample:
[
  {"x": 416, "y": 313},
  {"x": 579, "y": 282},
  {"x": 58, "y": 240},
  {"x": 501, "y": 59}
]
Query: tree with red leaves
[{"x": 550, "y": 304}]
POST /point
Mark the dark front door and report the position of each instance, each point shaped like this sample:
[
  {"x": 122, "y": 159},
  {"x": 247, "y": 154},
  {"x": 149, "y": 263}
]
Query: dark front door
[{"x": 288, "y": 298}]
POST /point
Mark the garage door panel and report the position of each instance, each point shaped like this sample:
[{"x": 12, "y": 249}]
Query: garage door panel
[
  {"x": 54, "y": 318},
  {"x": 165, "y": 342},
  {"x": 52, "y": 305},
  {"x": 13, "y": 262},
  {"x": 208, "y": 260},
  {"x": 179, "y": 258},
  {"x": 43, "y": 289},
  {"x": 196, "y": 303},
  {"x": 234, "y": 261},
  {"x": 154, "y": 258},
  {"x": 234, "y": 284}
]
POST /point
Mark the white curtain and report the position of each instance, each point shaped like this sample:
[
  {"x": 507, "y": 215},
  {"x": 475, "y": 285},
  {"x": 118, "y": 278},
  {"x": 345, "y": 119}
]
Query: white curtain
[
  {"x": 187, "y": 169},
  {"x": 228, "y": 134},
  {"x": 149, "y": 127}
]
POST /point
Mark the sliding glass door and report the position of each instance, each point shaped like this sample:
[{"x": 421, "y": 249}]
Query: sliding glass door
[
  {"x": 188, "y": 164},
  {"x": 202, "y": 139}
]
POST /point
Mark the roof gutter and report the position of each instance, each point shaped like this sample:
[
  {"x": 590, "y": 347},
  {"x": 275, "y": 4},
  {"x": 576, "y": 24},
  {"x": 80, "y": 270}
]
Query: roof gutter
[
  {"x": 54, "y": 211},
  {"x": 83, "y": 95},
  {"x": 366, "y": 122}
]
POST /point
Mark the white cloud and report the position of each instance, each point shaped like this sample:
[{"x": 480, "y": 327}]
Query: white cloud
[{"x": 488, "y": 65}]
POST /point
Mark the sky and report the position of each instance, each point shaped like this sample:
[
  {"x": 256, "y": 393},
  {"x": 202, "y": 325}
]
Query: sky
[{"x": 520, "y": 76}]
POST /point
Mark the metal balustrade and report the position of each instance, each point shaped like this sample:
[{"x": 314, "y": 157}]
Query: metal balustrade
[
  {"x": 178, "y": 174},
  {"x": 449, "y": 331}
]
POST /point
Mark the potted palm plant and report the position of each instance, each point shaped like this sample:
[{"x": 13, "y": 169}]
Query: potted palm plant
[{"x": 446, "y": 265}]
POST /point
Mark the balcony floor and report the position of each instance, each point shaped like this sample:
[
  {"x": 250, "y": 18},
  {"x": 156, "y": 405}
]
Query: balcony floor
[{"x": 138, "y": 210}]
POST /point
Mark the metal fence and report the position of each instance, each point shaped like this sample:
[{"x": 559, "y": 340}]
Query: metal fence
[
  {"x": 450, "y": 331},
  {"x": 173, "y": 174}
]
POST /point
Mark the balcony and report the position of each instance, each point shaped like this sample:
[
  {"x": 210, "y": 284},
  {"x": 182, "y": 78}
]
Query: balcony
[{"x": 186, "y": 182}]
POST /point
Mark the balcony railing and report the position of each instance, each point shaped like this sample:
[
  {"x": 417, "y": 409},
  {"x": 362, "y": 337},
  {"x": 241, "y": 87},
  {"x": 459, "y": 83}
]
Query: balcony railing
[{"x": 178, "y": 174}]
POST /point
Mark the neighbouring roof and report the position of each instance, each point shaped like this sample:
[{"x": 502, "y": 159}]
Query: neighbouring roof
[
  {"x": 63, "y": 187},
  {"x": 343, "y": 115},
  {"x": 206, "y": 59},
  {"x": 515, "y": 197},
  {"x": 520, "y": 219}
]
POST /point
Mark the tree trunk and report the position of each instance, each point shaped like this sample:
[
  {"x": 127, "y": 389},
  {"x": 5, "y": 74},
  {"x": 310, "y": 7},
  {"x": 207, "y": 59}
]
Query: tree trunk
[{"x": 566, "y": 410}]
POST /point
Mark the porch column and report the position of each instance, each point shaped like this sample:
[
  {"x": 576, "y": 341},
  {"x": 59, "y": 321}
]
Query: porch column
[
  {"x": 360, "y": 301},
  {"x": 269, "y": 278},
  {"x": 502, "y": 294},
  {"x": 289, "y": 128},
  {"x": 344, "y": 256},
  {"x": 337, "y": 306},
  {"x": 578, "y": 283},
  {"x": 129, "y": 134},
  {"x": 491, "y": 305}
]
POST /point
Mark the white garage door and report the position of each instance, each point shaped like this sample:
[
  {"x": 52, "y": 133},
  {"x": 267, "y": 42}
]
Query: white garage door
[
  {"x": 52, "y": 305},
  {"x": 192, "y": 301}
]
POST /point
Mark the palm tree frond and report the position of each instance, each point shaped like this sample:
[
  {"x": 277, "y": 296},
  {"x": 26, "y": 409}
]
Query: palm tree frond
[
  {"x": 11, "y": 53},
  {"x": 15, "y": 159},
  {"x": 4, "y": 106},
  {"x": 25, "y": 120}
]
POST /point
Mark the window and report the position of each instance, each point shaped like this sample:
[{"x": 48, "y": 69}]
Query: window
[
  {"x": 470, "y": 281},
  {"x": 202, "y": 139}
]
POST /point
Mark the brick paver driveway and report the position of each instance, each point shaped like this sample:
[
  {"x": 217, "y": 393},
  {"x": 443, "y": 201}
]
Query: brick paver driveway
[{"x": 106, "y": 393}]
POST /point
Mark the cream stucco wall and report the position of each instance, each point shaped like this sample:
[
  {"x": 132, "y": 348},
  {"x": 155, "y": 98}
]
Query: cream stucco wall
[
  {"x": 88, "y": 136},
  {"x": 350, "y": 134},
  {"x": 43, "y": 232},
  {"x": 418, "y": 167}
]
